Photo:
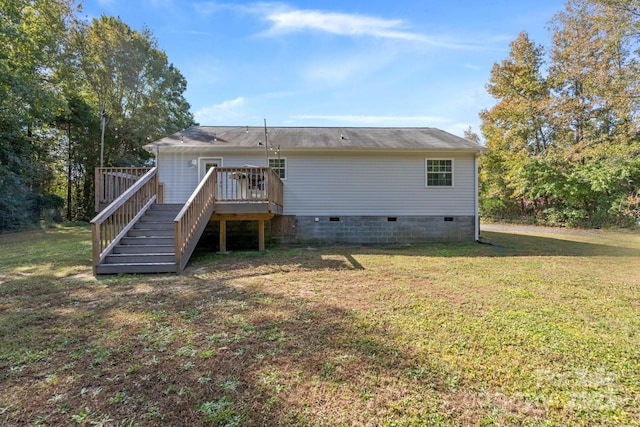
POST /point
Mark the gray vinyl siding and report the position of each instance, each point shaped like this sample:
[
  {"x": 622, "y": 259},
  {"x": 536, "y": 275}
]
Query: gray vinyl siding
[
  {"x": 340, "y": 184},
  {"x": 380, "y": 184},
  {"x": 180, "y": 178}
]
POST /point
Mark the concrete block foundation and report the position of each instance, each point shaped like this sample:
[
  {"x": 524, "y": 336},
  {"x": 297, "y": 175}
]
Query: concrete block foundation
[{"x": 382, "y": 229}]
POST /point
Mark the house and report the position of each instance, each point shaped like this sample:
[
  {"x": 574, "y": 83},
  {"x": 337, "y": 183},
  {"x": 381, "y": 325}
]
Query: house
[{"x": 311, "y": 184}]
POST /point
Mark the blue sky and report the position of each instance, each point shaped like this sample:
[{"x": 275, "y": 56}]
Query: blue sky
[{"x": 336, "y": 63}]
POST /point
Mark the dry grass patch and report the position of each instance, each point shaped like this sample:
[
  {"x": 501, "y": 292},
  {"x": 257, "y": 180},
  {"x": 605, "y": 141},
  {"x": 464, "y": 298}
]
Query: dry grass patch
[{"x": 541, "y": 329}]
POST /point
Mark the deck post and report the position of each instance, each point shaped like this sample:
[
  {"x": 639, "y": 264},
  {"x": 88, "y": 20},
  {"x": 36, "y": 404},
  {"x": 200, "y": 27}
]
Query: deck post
[
  {"x": 261, "y": 235},
  {"x": 223, "y": 236}
]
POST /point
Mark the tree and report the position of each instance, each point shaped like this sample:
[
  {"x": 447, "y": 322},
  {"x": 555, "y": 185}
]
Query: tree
[
  {"x": 564, "y": 147},
  {"x": 516, "y": 127},
  {"x": 137, "y": 94},
  {"x": 32, "y": 35},
  {"x": 59, "y": 77},
  {"x": 125, "y": 82},
  {"x": 81, "y": 128},
  {"x": 594, "y": 76}
]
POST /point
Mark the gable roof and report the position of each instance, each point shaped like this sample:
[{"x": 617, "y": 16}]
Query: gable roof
[{"x": 334, "y": 138}]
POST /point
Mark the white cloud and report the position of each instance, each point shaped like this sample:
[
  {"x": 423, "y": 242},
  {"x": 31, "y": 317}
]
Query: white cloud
[
  {"x": 335, "y": 23},
  {"x": 338, "y": 70},
  {"x": 285, "y": 19},
  {"x": 288, "y": 21},
  {"x": 219, "y": 113},
  {"x": 208, "y": 8}
]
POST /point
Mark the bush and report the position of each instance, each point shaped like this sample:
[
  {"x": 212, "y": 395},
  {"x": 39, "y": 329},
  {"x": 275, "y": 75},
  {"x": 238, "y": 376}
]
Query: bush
[
  {"x": 48, "y": 207},
  {"x": 20, "y": 207},
  {"x": 15, "y": 204}
]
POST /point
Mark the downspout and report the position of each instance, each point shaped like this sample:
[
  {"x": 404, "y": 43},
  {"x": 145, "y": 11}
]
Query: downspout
[{"x": 475, "y": 197}]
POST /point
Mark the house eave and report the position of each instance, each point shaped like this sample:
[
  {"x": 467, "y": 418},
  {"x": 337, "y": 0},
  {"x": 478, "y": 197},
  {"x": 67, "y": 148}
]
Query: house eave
[{"x": 153, "y": 148}]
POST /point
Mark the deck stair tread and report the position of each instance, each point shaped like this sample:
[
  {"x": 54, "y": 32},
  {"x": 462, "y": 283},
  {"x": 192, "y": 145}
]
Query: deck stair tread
[{"x": 149, "y": 247}]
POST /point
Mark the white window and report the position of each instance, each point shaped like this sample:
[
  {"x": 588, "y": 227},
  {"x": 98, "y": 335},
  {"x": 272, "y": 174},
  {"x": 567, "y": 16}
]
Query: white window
[
  {"x": 439, "y": 172},
  {"x": 279, "y": 166}
]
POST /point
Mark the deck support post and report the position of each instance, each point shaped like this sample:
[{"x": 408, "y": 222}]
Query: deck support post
[
  {"x": 223, "y": 236},
  {"x": 261, "y": 235}
]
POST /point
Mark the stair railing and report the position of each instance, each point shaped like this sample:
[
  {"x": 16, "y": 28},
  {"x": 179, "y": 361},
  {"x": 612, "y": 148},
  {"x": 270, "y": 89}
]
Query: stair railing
[
  {"x": 193, "y": 218},
  {"x": 113, "y": 223},
  {"x": 111, "y": 182}
]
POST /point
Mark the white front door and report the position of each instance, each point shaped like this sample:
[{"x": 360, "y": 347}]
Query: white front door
[{"x": 206, "y": 163}]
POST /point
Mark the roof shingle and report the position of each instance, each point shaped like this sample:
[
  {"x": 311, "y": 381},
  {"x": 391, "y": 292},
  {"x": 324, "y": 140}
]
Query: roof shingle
[{"x": 319, "y": 138}]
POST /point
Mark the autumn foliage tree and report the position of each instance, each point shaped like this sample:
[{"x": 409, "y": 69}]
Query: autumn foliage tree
[
  {"x": 564, "y": 146},
  {"x": 516, "y": 128}
]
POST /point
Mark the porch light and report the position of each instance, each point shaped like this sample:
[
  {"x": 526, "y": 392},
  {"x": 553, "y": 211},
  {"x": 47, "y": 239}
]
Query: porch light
[{"x": 266, "y": 151}]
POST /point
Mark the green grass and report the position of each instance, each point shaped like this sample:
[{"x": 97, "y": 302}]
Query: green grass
[{"x": 542, "y": 329}]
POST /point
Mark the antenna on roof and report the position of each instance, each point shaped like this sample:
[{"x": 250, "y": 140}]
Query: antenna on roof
[{"x": 266, "y": 143}]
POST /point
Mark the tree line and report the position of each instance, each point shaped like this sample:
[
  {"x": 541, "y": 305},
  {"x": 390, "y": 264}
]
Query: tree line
[
  {"x": 75, "y": 94},
  {"x": 563, "y": 136}
]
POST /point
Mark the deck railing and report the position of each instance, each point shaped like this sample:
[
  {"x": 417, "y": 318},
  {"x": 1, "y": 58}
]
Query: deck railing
[
  {"x": 275, "y": 189},
  {"x": 112, "y": 182},
  {"x": 193, "y": 218},
  {"x": 248, "y": 185},
  {"x": 231, "y": 186},
  {"x": 110, "y": 225}
]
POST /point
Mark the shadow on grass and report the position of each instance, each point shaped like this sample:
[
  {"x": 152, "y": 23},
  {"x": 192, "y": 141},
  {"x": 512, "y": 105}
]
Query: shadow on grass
[
  {"x": 512, "y": 244},
  {"x": 194, "y": 351},
  {"x": 220, "y": 346},
  {"x": 342, "y": 257}
]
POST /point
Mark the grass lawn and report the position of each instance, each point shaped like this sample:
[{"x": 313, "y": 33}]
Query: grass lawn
[{"x": 541, "y": 330}]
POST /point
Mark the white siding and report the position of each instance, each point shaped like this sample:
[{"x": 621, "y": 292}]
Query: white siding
[
  {"x": 177, "y": 175},
  {"x": 351, "y": 183},
  {"x": 382, "y": 184},
  {"x": 180, "y": 178}
]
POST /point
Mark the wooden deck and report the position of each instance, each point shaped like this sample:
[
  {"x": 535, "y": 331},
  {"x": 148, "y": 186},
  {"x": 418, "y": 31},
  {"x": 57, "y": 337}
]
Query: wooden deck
[
  {"x": 248, "y": 191},
  {"x": 224, "y": 194}
]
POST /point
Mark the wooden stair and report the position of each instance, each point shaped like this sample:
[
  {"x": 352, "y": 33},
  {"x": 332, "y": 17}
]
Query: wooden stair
[{"x": 149, "y": 247}]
